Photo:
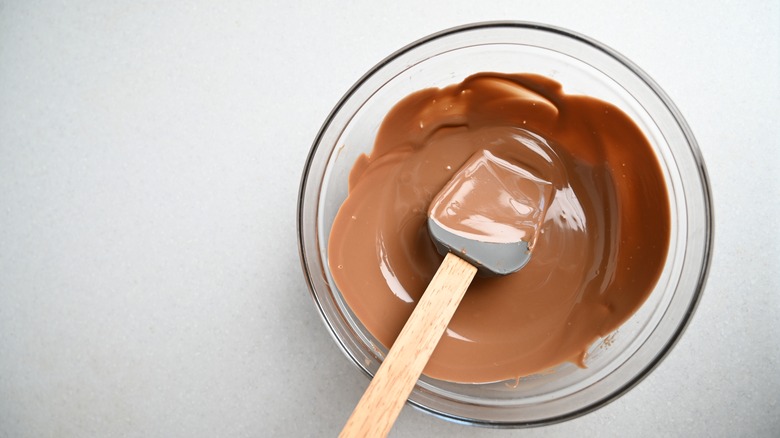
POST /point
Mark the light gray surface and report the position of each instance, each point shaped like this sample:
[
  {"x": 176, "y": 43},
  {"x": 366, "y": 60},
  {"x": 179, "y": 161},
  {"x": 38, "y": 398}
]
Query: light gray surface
[{"x": 149, "y": 165}]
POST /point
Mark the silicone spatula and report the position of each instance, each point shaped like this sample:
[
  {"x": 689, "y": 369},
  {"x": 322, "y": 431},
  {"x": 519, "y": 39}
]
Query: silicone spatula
[{"x": 486, "y": 219}]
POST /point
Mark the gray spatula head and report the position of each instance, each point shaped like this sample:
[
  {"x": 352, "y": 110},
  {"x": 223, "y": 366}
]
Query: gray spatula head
[
  {"x": 489, "y": 258},
  {"x": 490, "y": 214}
]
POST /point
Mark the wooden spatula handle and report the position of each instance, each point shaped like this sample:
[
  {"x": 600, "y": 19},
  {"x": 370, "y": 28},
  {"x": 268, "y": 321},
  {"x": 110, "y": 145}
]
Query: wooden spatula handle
[{"x": 380, "y": 405}]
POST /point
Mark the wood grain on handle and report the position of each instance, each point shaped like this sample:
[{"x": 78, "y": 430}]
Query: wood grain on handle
[{"x": 386, "y": 394}]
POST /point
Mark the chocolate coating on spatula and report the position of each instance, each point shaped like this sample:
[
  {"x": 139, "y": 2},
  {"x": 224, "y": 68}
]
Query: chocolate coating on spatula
[{"x": 490, "y": 214}]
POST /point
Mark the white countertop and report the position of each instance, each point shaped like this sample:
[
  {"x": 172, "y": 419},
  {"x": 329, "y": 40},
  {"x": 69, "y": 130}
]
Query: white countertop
[{"x": 150, "y": 158}]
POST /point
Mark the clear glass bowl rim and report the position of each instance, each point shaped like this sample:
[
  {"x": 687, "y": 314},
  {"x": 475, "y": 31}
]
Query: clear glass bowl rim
[{"x": 708, "y": 222}]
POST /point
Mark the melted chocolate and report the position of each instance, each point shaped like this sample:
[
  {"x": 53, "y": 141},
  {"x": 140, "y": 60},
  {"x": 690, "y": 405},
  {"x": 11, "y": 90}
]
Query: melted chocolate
[{"x": 596, "y": 258}]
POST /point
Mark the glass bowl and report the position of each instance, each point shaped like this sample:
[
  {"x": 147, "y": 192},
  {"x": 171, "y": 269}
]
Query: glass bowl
[{"x": 583, "y": 66}]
